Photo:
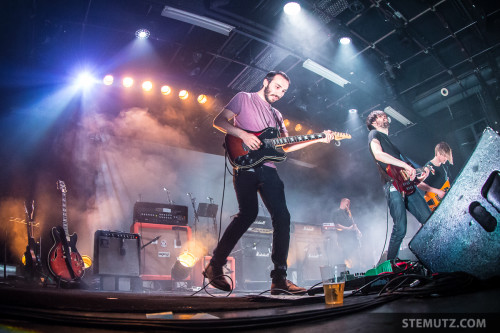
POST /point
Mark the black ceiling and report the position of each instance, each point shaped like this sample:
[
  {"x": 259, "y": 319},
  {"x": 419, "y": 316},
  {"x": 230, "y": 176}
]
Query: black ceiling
[{"x": 406, "y": 51}]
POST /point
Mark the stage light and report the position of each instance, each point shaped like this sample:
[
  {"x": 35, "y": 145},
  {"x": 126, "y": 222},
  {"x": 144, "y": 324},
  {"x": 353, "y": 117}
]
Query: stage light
[
  {"x": 108, "y": 80},
  {"x": 198, "y": 20},
  {"x": 85, "y": 80},
  {"x": 324, "y": 72},
  {"x": 128, "y": 82},
  {"x": 286, "y": 122},
  {"x": 183, "y": 94},
  {"x": 310, "y": 132},
  {"x": 398, "y": 116},
  {"x": 345, "y": 40},
  {"x": 147, "y": 85},
  {"x": 353, "y": 110},
  {"x": 166, "y": 90},
  {"x": 202, "y": 99},
  {"x": 298, "y": 127},
  {"x": 182, "y": 266},
  {"x": 87, "y": 261},
  {"x": 142, "y": 33},
  {"x": 292, "y": 8}
]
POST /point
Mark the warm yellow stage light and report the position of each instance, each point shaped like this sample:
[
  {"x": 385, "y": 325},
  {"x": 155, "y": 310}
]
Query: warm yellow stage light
[
  {"x": 108, "y": 80},
  {"x": 87, "y": 261},
  {"x": 183, "y": 94},
  {"x": 165, "y": 90},
  {"x": 202, "y": 99},
  {"x": 310, "y": 132},
  {"x": 286, "y": 122},
  {"x": 298, "y": 127},
  {"x": 147, "y": 85},
  {"x": 128, "y": 82}
]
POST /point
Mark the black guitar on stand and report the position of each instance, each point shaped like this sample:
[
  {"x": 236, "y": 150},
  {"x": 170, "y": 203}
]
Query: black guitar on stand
[
  {"x": 32, "y": 254},
  {"x": 65, "y": 263}
]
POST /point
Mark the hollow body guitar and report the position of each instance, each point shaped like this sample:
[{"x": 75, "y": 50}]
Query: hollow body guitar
[
  {"x": 64, "y": 260},
  {"x": 402, "y": 181},
  {"x": 242, "y": 157}
]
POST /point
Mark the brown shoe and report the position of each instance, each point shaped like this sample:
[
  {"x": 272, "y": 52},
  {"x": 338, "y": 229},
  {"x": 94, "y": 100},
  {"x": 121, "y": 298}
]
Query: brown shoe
[
  {"x": 216, "y": 277},
  {"x": 286, "y": 287}
]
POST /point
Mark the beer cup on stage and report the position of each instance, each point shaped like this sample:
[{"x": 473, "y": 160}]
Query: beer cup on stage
[{"x": 333, "y": 278}]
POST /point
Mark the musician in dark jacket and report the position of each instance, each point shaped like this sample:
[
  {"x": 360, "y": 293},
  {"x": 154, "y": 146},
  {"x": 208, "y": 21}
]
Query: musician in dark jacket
[
  {"x": 254, "y": 112},
  {"x": 386, "y": 154}
]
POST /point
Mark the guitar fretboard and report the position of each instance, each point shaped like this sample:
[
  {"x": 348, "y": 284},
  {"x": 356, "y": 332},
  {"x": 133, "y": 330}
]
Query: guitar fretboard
[{"x": 297, "y": 138}]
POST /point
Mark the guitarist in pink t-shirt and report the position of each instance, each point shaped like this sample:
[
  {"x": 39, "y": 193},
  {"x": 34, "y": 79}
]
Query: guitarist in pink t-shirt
[{"x": 256, "y": 126}]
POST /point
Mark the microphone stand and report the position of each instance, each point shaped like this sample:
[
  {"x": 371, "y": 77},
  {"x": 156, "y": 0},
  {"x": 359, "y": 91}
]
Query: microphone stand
[
  {"x": 196, "y": 218},
  {"x": 214, "y": 217}
]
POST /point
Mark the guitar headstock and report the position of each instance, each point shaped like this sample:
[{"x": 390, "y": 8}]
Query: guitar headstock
[
  {"x": 341, "y": 136},
  {"x": 61, "y": 186}
]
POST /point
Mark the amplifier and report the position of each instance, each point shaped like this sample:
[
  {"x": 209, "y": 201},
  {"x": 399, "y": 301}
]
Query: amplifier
[
  {"x": 116, "y": 253},
  {"x": 261, "y": 226},
  {"x": 306, "y": 230},
  {"x": 150, "y": 212}
]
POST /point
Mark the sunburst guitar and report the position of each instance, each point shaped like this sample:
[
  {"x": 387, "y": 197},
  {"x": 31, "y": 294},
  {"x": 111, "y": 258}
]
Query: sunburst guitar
[
  {"x": 242, "y": 157},
  {"x": 65, "y": 263},
  {"x": 432, "y": 199}
]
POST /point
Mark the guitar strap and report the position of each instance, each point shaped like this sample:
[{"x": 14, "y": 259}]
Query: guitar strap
[{"x": 278, "y": 122}]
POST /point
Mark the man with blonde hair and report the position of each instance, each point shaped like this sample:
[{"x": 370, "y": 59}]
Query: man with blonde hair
[{"x": 438, "y": 182}]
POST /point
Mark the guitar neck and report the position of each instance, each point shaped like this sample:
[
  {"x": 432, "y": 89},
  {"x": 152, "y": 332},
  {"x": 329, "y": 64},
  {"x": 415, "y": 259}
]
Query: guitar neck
[
  {"x": 281, "y": 141},
  {"x": 65, "y": 216}
]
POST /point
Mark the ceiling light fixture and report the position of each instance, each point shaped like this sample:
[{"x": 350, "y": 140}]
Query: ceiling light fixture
[
  {"x": 142, "y": 33},
  {"x": 398, "y": 116},
  {"x": 197, "y": 20},
  {"x": 345, "y": 40},
  {"x": 291, "y": 8},
  {"x": 324, "y": 72}
]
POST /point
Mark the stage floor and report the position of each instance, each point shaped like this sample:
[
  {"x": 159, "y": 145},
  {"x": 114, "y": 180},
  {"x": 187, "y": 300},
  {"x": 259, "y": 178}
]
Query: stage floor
[{"x": 31, "y": 306}]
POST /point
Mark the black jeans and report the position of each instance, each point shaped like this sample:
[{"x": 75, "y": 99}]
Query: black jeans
[
  {"x": 398, "y": 205},
  {"x": 247, "y": 183}
]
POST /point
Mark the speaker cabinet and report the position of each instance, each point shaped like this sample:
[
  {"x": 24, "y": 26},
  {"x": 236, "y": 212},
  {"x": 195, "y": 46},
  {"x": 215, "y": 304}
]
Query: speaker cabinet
[
  {"x": 116, "y": 253},
  {"x": 307, "y": 252},
  {"x": 159, "y": 254},
  {"x": 463, "y": 234},
  {"x": 254, "y": 261}
]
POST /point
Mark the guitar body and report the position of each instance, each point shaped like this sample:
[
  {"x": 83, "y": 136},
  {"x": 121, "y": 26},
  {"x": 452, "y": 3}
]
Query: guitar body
[
  {"x": 401, "y": 180},
  {"x": 242, "y": 157},
  {"x": 32, "y": 258},
  {"x": 64, "y": 260},
  {"x": 432, "y": 199}
]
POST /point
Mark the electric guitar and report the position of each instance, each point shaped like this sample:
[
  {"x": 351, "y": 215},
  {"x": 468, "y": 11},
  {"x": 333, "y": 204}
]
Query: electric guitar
[
  {"x": 64, "y": 260},
  {"x": 401, "y": 178},
  {"x": 432, "y": 199},
  {"x": 242, "y": 157},
  {"x": 32, "y": 254}
]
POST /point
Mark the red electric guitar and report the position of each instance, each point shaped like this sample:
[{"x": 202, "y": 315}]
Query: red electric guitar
[
  {"x": 65, "y": 263},
  {"x": 401, "y": 179},
  {"x": 242, "y": 157}
]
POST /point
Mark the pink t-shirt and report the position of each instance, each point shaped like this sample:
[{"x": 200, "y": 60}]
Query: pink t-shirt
[{"x": 254, "y": 114}]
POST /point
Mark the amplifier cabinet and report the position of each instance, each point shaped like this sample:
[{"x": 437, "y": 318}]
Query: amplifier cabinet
[
  {"x": 307, "y": 252},
  {"x": 158, "y": 257},
  {"x": 254, "y": 261},
  {"x": 116, "y": 253},
  {"x": 151, "y": 212}
]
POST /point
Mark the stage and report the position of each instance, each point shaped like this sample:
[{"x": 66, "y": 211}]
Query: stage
[{"x": 451, "y": 300}]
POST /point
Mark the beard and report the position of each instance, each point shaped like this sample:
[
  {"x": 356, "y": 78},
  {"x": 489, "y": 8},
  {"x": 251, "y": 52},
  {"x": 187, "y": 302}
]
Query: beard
[{"x": 267, "y": 95}]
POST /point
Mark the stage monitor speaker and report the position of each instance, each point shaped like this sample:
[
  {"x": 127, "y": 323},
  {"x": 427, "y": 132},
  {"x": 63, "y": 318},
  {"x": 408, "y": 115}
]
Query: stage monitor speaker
[
  {"x": 254, "y": 261},
  {"x": 162, "y": 245},
  {"x": 463, "y": 234},
  {"x": 116, "y": 253}
]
